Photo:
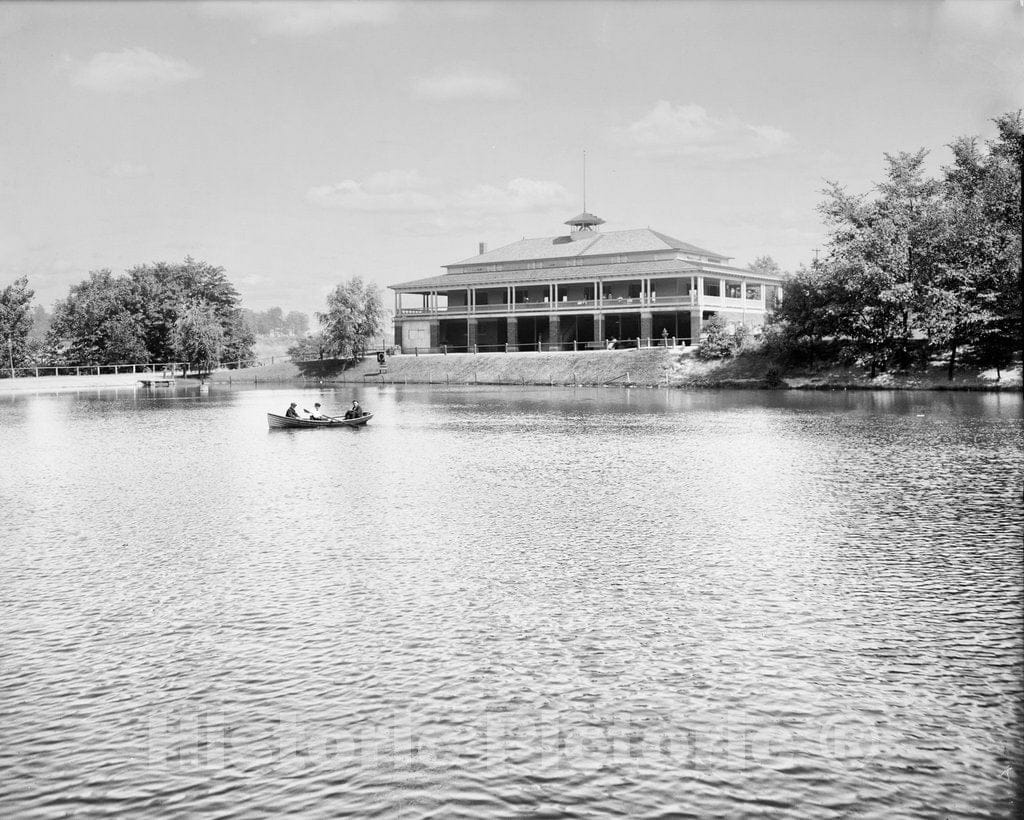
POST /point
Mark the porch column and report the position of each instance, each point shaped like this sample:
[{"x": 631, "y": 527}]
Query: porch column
[
  {"x": 700, "y": 293},
  {"x": 599, "y": 328},
  {"x": 512, "y": 335},
  {"x": 554, "y": 332},
  {"x": 471, "y": 334},
  {"x": 743, "y": 294},
  {"x": 695, "y": 327},
  {"x": 646, "y": 324}
]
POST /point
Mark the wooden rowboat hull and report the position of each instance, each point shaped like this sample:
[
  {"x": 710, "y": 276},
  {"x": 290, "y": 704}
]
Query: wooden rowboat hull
[{"x": 277, "y": 422}]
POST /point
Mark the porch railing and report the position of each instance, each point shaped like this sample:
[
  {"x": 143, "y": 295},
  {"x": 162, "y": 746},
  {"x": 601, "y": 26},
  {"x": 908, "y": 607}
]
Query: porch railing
[
  {"x": 575, "y": 346},
  {"x": 567, "y": 305}
]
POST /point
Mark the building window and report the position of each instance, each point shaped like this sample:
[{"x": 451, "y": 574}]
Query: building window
[
  {"x": 481, "y": 298},
  {"x": 733, "y": 290},
  {"x": 634, "y": 291},
  {"x": 711, "y": 288},
  {"x": 753, "y": 291}
]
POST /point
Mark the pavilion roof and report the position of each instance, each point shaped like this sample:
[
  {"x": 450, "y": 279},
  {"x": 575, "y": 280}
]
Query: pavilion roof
[
  {"x": 587, "y": 243},
  {"x": 575, "y": 273}
]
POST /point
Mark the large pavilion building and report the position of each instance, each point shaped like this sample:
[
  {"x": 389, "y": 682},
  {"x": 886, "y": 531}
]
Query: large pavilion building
[{"x": 578, "y": 291}]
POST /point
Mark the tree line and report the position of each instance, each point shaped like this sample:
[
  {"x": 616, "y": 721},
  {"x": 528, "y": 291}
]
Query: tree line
[
  {"x": 165, "y": 312},
  {"x": 274, "y": 321},
  {"x": 923, "y": 269},
  {"x": 159, "y": 312}
]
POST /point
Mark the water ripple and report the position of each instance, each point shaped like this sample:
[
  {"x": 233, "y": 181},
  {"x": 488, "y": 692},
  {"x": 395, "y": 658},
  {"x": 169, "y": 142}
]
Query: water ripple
[{"x": 492, "y": 604}]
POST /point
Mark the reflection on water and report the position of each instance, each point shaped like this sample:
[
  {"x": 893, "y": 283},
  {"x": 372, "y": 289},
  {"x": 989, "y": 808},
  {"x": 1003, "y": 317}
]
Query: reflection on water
[{"x": 491, "y": 603}]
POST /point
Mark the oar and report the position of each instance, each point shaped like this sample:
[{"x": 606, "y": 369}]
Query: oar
[{"x": 330, "y": 418}]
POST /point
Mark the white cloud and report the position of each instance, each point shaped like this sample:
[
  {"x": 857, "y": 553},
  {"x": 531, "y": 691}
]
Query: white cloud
[
  {"x": 396, "y": 180},
  {"x": 129, "y": 170},
  {"x": 519, "y": 196},
  {"x": 465, "y": 84},
  {"x": 395, "y": 191},
  {"x": 303, "y": 19},
  {"x": 407, "y": 192},
  {"x": 351, "y": 195},
  {"x": 132, "y": 69},
  {"x": 690, "y": 130}
]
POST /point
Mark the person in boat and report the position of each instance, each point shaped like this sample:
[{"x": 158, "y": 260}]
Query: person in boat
[
  {"x": 291, "y": 412},
  {"x": 354, "y": 412},
  {"x": 317, "y": 415}
]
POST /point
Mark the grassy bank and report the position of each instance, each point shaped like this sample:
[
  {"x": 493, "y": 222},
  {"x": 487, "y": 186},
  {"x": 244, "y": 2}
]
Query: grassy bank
[
  {"x": 637, "y": 367},
  {"x": 657, "y": 367},
  {"x": 754, "y": 371}
]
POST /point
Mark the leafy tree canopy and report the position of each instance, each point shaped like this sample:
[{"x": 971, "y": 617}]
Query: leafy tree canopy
[
  {"x": 273, "y": 320},
  {"x": 924, "y": 265},
  {"x": 15, "y": 320},
  {"x": 354, "y": 317},
  {"x": 198, "y": 335},
  {"x": 139, "y": 316},
  {"x": 765, "y": 265}
]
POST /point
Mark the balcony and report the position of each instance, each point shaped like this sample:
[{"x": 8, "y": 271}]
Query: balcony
[{"x": 611, "y": 304}]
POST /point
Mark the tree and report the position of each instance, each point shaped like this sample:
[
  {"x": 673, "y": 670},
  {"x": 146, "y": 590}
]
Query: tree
[
  {"x": 167, "y": 290},
  {"x": 883, "y": 252},
  {"x": 99, "y": 322},
  {"x": 354, "y": 317},
  {"x": 137, "y": 317},
  {"x": 715, "y": 342},
  {"x": 983, "y": 195},
  {"x": 812, "y": 301},
  {"x": 296, "y": 323},
  {"x": 313, "y": 346},
  {"x": 15, "y": 320},
  {"x": 765, "y": 265},
  {"x": 198, "y": 336}
]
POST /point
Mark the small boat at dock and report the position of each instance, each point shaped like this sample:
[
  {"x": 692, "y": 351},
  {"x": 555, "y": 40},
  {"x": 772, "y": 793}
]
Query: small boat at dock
[{"x": 277, "y": 422}]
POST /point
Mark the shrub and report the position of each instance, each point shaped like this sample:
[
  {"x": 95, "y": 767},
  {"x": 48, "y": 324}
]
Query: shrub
[{"x": 715, "y": 343}]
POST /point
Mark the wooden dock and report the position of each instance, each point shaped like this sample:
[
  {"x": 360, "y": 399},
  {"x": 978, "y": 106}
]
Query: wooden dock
[{"x": 156, "y": 381}]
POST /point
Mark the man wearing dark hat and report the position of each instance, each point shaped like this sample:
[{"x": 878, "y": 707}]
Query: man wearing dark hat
[{"x": 291, "y": 412}]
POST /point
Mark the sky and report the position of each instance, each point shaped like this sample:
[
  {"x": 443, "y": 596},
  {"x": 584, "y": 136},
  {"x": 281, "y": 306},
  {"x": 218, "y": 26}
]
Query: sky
[{"x": 301, "y": 144}]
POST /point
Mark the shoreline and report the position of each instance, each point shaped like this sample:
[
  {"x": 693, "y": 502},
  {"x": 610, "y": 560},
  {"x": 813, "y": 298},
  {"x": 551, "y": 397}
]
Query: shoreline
[{"x": 658, "y": 368}]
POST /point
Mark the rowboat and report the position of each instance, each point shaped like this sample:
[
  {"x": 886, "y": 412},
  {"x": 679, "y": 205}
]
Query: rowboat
[{"x": 277, "y": 422}]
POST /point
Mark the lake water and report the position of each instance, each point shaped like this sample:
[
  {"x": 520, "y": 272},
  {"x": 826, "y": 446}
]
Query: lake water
[{"x": 496, "y": 603}]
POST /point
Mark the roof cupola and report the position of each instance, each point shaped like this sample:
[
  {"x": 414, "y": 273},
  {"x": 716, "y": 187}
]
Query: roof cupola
[{"x": 584, "y": 222}]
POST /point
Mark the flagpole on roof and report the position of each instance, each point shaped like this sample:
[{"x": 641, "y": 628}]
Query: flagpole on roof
[{"x": 584, "y": 180}]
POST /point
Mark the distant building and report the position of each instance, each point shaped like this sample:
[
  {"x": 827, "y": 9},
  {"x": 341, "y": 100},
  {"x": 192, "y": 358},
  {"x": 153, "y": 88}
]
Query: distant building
[{"x": 577, "y": 291}]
